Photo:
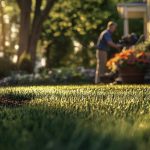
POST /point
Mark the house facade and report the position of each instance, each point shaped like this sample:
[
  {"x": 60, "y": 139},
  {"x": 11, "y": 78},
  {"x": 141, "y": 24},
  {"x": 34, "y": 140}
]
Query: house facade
[{"x": 134, "y": 11}]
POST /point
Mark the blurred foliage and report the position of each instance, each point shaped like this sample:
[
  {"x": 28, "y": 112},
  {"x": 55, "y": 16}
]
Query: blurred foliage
[
  {"x": 134, "y": 28},
  {"x": 6, "y": 67},
  {"x": 144, "y": 46},
  {"x": 24, "y": 63},
  {"x": 56, "y": 53},
  {"x": 71, "y": 21},
  {"x": 81, "y": 21},
  {"x": 50, "y": 77},
  {"x": 10, "y": 27}
]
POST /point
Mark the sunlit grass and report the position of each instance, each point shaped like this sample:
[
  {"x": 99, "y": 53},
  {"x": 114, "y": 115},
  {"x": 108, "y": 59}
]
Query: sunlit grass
[{"x": 76, "y": 117}]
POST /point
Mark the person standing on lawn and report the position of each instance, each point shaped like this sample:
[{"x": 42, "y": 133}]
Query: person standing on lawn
[{"x": 104, "y": 43}]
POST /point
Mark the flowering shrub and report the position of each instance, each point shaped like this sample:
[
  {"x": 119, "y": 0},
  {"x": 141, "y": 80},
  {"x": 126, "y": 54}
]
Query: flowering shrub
[{"x": 127, "y": 58}]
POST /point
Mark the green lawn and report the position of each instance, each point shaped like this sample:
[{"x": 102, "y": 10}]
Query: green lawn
[{"x": 75, "y": 118}]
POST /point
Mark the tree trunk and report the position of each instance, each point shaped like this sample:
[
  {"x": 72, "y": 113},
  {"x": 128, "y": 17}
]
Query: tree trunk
[
  {"x": 39, "y": 17},
  {"x": 33, "y": 44},
  {"x": 47, "y": 55},
  {"x": 30, "y": 33},
  {"x": 25, "y": 22},
  {"x": 35, "y": 32}
]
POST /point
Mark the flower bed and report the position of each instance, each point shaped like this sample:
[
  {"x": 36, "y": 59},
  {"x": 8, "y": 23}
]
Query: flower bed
[{"x": 131, "y": 65}]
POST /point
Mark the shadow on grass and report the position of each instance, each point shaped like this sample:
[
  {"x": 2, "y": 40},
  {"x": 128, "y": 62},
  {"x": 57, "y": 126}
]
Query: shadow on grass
[
  {"x": 12, "y": 103},
  {"x": 15, "y": 100},
  {"x": 45, "y": 127}
]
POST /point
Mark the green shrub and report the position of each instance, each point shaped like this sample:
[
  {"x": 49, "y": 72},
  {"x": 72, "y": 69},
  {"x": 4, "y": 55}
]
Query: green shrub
[
  {"x": 144, "y": 46},
  {"x": 25, "y": 63},
  {"x": 6, "y": 67},
  {"x": 50, "y": 77}
]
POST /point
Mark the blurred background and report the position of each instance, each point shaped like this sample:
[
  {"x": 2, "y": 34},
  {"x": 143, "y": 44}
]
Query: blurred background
[{"x": 54, "y": 40}]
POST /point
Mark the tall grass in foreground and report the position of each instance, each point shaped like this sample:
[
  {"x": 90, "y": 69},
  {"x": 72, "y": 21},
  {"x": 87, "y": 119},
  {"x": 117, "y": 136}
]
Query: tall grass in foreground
[{"x": 75, "y": 118}]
